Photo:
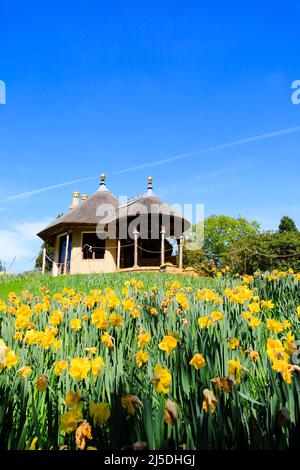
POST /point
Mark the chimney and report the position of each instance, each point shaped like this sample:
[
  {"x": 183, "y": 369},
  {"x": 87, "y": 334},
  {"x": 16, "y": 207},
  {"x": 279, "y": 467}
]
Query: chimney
[
  {"x": 84, "y": 197},
  {"x": 75, "y": 202}
]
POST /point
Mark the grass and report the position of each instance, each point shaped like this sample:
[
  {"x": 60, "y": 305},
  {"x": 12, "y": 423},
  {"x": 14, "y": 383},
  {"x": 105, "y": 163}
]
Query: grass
[
  {"x": 84, "y": 283},
  {"x": 11, "y": 285}
]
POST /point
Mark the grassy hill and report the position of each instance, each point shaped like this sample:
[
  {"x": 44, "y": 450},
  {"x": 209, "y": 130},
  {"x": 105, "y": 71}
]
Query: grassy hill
[{"x": 84, "y": 282}]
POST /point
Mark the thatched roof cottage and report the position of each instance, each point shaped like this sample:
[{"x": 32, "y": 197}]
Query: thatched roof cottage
[{"x": 102, "y": 234}]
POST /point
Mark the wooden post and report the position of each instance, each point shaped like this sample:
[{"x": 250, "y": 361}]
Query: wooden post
[
  {"x": 66, "y": 254},
  {"x": 135, "y": 233},
  {"x": 44, "y": 261},
  {"x": 180, "y": 252},
  {"x": 55, "y": 269},
  {"x": 118, "y": 254},
  {"x": 162, "y": 249}
]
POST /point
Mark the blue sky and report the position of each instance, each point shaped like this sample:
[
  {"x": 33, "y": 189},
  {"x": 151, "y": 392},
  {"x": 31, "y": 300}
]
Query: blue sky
[{"x": 98, "y": 86}]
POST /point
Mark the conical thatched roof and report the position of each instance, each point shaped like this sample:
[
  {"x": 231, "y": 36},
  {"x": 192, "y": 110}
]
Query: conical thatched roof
[
  {"x": 88, "y": 212},
  {"x": 150, "y": 205},
  {"x": 103, "y": 208}
]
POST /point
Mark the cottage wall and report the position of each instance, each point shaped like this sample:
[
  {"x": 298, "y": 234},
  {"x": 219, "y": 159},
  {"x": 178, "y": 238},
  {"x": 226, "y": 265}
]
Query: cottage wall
[{"x": 86, "y": 266}]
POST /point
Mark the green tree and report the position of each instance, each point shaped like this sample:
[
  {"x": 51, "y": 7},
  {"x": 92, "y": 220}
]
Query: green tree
[
  {"x": 266, "y": 251},
  {"x": 2, "y": 267},
  {"x": 198, "y": 260},
  {"x": 39, "y": 259},
  {"x": 222, "y": 233},
  {"x": 287, "y": 225}
]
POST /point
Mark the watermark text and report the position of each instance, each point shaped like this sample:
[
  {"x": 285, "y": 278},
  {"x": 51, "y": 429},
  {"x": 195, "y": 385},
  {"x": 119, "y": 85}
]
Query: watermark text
[{"x": 2, "y": 92}]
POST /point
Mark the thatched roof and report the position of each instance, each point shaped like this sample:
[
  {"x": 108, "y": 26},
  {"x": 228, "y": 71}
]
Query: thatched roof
[
  {"x": 86, "y": 213},
  {"x": 151, "y": 205},
  {"x": 103, "y": 208}
]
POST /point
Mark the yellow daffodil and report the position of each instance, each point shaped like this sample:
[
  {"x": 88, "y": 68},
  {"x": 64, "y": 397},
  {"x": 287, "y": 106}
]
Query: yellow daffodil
[
  {"x": 25, "y": 372},
  {"x": 107, "y": 340},
  {"x": 234, "y": 343},
  {"x": 99, "y": 318},
  {"x": 11, "y": 359},
  {"x": 75, "y": 324},
  {"x": 115, "y": 319},
  {"x": 97, "y": 364},
  {"x": 277, "y": 326},
  {"x": 254, "y": 355},
  {"x": 284, "y": 368},
  {"x": 141, "y": 357},
  {"x": 254, "y": 307},
  {"x": 56, "y": 318},
  {"x": 254, "y": 322},
  {"x": 267, "y": 304},
  {"x": 216, "y": 315},
  {"x": 235, "y": 369},
  {"x": 59, "y": 367},
  {"x": 99, "y": 412},
  {"x": 168, "y": 344},
  {"x": 72, "y": 398},
  {"x": 70, "y": 419},
  {"x": 197, "y": 361},
  {"x": 80, "y": 368},
  {"x": 135, "y": 313},
  {"x": 128, "y": 305},
  {"x": 162, "y": 379},
  {"x": 143, "y": 339},
  {"x": 182, "y": 300},
  {"x": 205, "y": 322}
]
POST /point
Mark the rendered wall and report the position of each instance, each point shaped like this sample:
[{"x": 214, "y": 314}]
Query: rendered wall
[{"x": 88, "y": 266}]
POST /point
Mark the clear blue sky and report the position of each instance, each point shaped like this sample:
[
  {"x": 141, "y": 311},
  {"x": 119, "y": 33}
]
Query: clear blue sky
[{"x": 96, "y": 86}]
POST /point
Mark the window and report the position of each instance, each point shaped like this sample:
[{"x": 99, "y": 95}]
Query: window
[{"x": 92, "y": 246}]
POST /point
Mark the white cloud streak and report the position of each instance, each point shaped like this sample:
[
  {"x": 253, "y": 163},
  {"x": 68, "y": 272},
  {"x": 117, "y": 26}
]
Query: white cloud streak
[
  {"x": 163, "y": 161},
  {"x": 20, "y": 241},
  {"x": 214, "y": 148},
  {"x": 47, "y": 188}
]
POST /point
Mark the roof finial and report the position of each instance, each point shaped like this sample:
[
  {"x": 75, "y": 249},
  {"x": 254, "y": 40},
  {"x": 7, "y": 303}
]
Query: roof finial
[
  {"x": 102, "y": 178},
  {"x": 149, "y": 182},
  {"x": 102, "y": 186}
]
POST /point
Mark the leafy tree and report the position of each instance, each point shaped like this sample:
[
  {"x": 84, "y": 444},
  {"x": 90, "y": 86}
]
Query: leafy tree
[
  {"x": 287, "y": 225},
  {"x": 241, "y": 245},
  {"x": 266, "y": 251},
  {"x": 2, "y": 267},
  {"x": 39, "y": 259},
  {"x": 222, "y": 233},
  {"x": 198, "y": 260}
]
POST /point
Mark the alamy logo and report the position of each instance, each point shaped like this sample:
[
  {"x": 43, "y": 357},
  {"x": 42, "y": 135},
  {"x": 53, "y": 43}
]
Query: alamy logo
[
  {"x": 296, "y": 94},
  {"x": 2, "y": 92}
]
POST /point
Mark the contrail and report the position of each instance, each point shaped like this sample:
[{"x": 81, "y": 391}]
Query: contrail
[
  {"x": 48, "y": 188},
  {"x": 173, "y": 158},
  {"x": 210, "y": 149}
]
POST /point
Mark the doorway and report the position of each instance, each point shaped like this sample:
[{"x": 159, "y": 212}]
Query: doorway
[{"x": 62, "y": 253}]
